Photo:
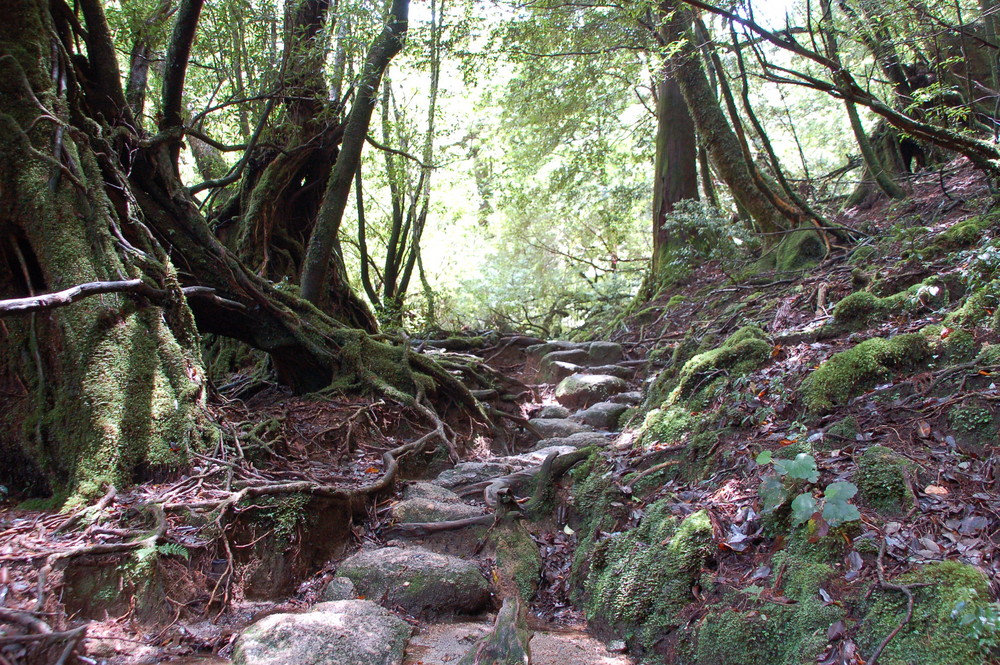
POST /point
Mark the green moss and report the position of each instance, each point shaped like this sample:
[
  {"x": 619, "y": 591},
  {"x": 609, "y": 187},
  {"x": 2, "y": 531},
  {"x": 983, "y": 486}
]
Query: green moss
[
  {"x": 966, "y": 233},
  {"x": 842, "y": 432},
  {"x": 863, "y": 307},
  {"x": 639, "y": 580},
  {"x": 989, "y": 355},
  {"x": 960, "y": 346},
  {"x": 799, "y": 250},
  {"x": 665, "y": 426},
  {"x": 743, "y": 352},
  {"x": 931, "y": 636},
  {"x": 282, "y": 514},
  {"x": 518, "y": 559},
  {"x": 861, "y": 368},
  {"x": 862, "y": 255},
  {"x": 674, "y": 301},
  {"x": 881, "y": 481},
  {"x": 970, "y": 418},
  {"x": 770, "y": 633},
  {"x": 981, "y": 307}
]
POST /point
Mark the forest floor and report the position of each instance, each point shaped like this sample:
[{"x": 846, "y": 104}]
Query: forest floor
[{"x": 121, "y": 583}]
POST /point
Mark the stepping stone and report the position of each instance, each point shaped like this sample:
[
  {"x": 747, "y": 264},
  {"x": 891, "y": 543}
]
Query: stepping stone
[
  {"x": 553, "y": 411},
  {"x": 603, "y": 415},
  {"x": 430, "y": 491},
  {"x": 581, "y": 440},
  {"x": 555, "y": 427},
  {"x": 631, "y": 398},
  {"x": 539, "y": 350},
  {"x": 428, "y": 510},
  {"x": 421, "y": 582},
  {"x": 605, "y": 353},
  {"x": 612, "y": 370},
  {"x": 582, "y": 390},
  {"x": 344, "y": 632},
  {"x": 557, "y": 371},
  {"x": 537, "y": 456},
  {"x": 468, "y": 473},
  {"x": 339, "y": 588}
]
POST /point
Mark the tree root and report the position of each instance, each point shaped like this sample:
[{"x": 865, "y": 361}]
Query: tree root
[{"x": 905, "y": 589}]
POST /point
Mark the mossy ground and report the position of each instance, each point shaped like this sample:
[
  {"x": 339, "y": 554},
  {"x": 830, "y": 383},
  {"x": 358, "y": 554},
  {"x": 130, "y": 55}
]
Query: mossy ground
[{"x": 882, "y": 481}]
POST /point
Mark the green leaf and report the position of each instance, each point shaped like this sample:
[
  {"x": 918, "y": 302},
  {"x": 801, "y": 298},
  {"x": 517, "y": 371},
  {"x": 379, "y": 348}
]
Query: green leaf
[
  {"x": 764, "y": 457},
  {"x": 837, "y": 510},
  {"x": 773, "y": 492},
  {"x": 803, "y": 467},
  {"x": 803, "y": 508}
]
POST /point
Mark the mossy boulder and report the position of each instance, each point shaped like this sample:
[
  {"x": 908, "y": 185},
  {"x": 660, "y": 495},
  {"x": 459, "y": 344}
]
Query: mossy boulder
[
  {"x": 582, "y": 390},
  {"x": 518, "y": 561},
  {"x": 981, "y": 307},
  {"x": 852, "y": 372},
  {"x": 346, "y": 632},
  {"x": 421, "y": 582},
  {"x": 862, "y": 255},
  {"x": 799, "y": 250},
  {"x": 966, "y": 233},
  {"x": 666, "y": 426},
  {"x": 931, "y": 636},
  {"x": 743, "y": 352},
  {"x": 881, "y": 480},
  {"x": 863, "y": 307},
  {"x": 639, "y": 580}
]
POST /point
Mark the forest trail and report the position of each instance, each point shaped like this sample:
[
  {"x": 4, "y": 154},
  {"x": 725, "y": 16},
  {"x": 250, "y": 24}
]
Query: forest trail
[{"x": 489, "y": 512}]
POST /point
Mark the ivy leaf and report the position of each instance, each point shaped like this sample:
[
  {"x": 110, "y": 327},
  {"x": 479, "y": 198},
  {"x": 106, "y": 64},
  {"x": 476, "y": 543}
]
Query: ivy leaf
[
  {"x": 803, "y": 508},
  {"x": 803, "y": 467},
  {"x": 773, "y": 492},
  {"x": 837, "y": 510},
  {"x": 764, "y": 457}
]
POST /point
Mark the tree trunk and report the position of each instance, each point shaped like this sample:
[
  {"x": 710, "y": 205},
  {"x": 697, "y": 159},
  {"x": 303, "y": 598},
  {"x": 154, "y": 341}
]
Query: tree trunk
[{"x": 114, "y": 383}]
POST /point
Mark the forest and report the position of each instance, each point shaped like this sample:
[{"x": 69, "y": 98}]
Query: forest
[{"x": 500, "y": 332}]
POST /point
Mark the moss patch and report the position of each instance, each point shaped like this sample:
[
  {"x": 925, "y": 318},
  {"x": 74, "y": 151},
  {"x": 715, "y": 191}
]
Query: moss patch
[
  {"x": 932, "y": 636},
  {"x": 743, "y": 352},
  {"x": 518, "y": 560},
  {"x": 861, "y": 368},
  {"x": 881, "y": 481},
  {"x": 966, "y": 233}
]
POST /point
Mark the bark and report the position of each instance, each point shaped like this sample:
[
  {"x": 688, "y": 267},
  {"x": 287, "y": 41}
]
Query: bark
[
  {"x": 718, "y": 136},
  {"x": 109, "y": 384}
]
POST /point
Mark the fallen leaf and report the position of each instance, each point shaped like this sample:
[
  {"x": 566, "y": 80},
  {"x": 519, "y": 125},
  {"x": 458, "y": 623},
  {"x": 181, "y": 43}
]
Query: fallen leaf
[{"x": 935, "y": 490}]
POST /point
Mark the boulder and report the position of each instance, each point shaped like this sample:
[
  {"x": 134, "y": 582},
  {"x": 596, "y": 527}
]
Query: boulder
[
  {"x": 430, "y": 491},
  {"x": 553, "y": 411},
  {"x": 580, "y": 440},
  {"x": 344, "y": 632},
  {"x": 603, "y": 415},
  {"x": 428, "y": 510},
  {"x": 468, "y": 473},
  {"x": 557, "y": 371},
  {"x": 582, "y": 390},
  {"x": 539, "y": 350},
  {"x": 605, "y": 353},
  {"x": 538, "y": 455},
  {"x": 555, "y": 427},
  {"x": 631, "y": 398},
  {"x": 339, "y": 588},
  {"x": 421, "y": 582},
  {"x": 613, "y": 370}
]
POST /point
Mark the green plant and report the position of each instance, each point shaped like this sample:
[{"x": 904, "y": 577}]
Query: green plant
[
  {"x": 832, "y": 508},
  {"x": 980, "y": 622}
]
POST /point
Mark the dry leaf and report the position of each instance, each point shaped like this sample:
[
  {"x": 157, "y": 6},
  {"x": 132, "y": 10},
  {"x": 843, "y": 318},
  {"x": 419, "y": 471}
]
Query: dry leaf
[{"x": 935, "y": 490}]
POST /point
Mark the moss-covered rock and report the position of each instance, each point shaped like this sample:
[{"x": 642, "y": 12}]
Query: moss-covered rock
[
  {"x": 966, "y": 233},
  {"x": 863, "y": 307},
  {"x": 842, "y": 432},
  {"x": 666, "y": 426},
  {"x": 931, "y": 636},
  {"x": 639, "y": 580},
  {"x": 981, "y": 307},
  {"x": 861, "y": 368},
  {"x": 518, "y": 560},
  {"x": 743, "y": 352},
  {"x": 881, "y": 481}
]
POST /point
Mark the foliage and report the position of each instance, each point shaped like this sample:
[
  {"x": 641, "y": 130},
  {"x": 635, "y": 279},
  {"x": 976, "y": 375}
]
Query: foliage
[
  {"x": 832, "y": 508},
  {"x": 980, "y": 621},
  {"x": 706, "y": 235}
]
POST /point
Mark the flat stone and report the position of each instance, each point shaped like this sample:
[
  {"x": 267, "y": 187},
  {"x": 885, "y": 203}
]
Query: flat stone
[
  {"x": 631, "y": 398},
  {"x": 339, "y": 588},
  {"x": 537, "y": 456},
  {"x": 421, "y": 582},
  {"x": 580, "y": 440},
  {"x": 344, "y": 632},
  {"x": 557, "y": 371},
  {"x": 605, "y": 353},
  {"x": 612, "y": 370},
  {"x": 553, "y": 411},
  {"x": 582, "y": 390},
  {"x": 430, "y": 491},
  {"x": 555, "y": 427},
  {"x": 428, "y": 510},
  {"x": 468, "y": 473},
  {"x": 603, "y": 415},
  {"x": 539, "y": 350}
]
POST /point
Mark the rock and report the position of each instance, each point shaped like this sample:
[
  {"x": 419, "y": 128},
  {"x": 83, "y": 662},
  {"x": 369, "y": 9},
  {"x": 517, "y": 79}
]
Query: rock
[
  {"x": 605, "y": 353},
  {"x": 468, "y": 473},
  {"x": 428, "y": 510},
  {"x": 613, "y": 370},
  {"x": 555, "y": 427},
  {"x": 419, "y": 581},
  {"x": 553, "y": 411},
  {"x": 577, "y": 356},
  {"x": 430, "y": 491},
  {"x": 339, "y": 588},
  {"x": 557, "y": 371},
  {"x": 538, "y": 455},
  {"x": 540, "y": 350},
  {"x": 580, "y": 440},
  {"x": 582, "y": 390},
  {"x": 631, "y": 398},
  {"x": 603, "y": 415},
  {"x": 345, "y": 632}
]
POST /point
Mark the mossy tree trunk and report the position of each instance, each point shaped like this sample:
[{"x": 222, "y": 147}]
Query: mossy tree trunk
[{"x": 112, "y": 384}]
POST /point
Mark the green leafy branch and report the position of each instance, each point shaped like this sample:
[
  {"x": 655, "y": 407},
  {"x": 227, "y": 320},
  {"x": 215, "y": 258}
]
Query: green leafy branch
[{"x": 832, "y": 507}]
